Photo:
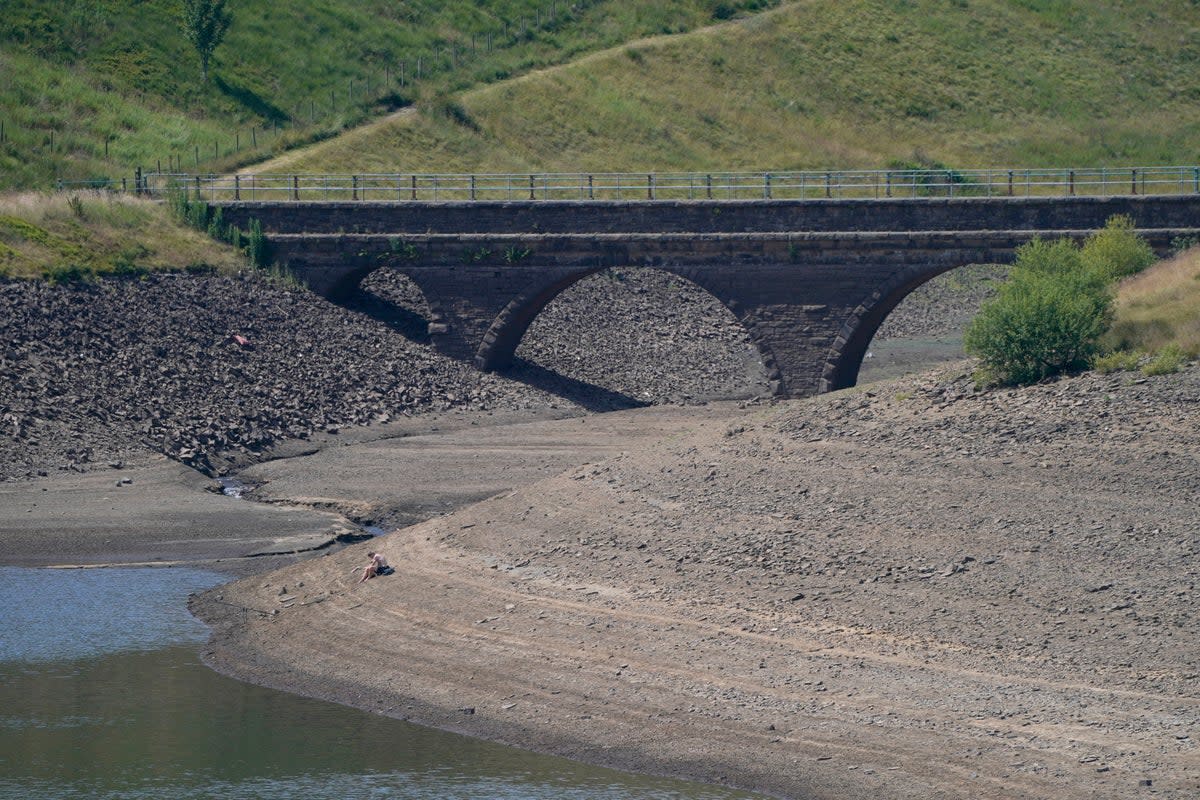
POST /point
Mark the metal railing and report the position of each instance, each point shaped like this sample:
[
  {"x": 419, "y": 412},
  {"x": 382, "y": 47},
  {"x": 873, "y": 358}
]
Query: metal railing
[{"x": 624, "y": 186}]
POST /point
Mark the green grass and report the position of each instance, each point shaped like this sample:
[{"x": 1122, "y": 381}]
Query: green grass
[
  {"x": 83, "y": 234},
  {"x": 75, "y": 76},
  {"x": 831, "y": 83},
  {"x": 1160, "y": 308}
]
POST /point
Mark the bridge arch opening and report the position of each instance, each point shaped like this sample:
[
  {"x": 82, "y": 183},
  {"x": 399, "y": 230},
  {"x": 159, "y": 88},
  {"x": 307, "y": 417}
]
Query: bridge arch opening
[
  {"x": 643, "y": 334},
  {"x": 394, "y": 299},
  {"x": 913, "y": 323}
]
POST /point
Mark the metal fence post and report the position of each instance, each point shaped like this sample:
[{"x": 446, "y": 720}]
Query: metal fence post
[
  {"x": 237, "y": 187},
  {"x": 1071, "y": 183},
  {"x": 472, "y": 187},
  {"x": 1133, "y": 180},
  {"x": 708, "y": 186},
  {"x": 353, "y": 187},
  {"x": 649, "y": 187},
  {"x": 1196, "y": 180},
  {"x": 197, "y": 186},
  {"x": 531, "y": 197},
  {"x": 414, "y": 187},
  {"x": 591, "y": 189},
  {"x": 767, "y": 186},
  {"x": 828, "y": 185}
]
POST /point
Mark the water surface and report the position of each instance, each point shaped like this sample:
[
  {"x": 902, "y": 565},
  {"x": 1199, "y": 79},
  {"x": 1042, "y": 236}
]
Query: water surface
[{"x": 102, "y": 695}]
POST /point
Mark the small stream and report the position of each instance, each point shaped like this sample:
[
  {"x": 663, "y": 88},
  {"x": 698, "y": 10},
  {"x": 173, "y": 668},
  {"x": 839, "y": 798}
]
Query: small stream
[{"x": 103, "y": 696}]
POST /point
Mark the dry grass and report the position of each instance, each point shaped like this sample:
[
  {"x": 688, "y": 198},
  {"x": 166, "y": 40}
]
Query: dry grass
[
  {"x": 1161, "y": 307},
  {"x": 75, "y": 235}
]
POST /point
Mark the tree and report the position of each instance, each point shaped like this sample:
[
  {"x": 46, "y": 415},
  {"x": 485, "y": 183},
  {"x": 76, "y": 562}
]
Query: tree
[
  {"x": 1048, "y": 318},
  {"x": 204, "y": 24}
]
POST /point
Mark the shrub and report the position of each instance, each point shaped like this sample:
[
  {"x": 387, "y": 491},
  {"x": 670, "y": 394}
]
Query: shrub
[
  {"x": 1117, "y": 251},
  {"x": 1166, "y": 361},
  {"x": 1048, "y": 318},
  {"x": 1118, "y": 361},
  {"x": 256, "y": 245}
]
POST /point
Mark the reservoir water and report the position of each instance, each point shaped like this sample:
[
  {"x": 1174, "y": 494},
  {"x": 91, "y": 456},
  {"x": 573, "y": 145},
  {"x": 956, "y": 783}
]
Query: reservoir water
[{"x": 103, "y": 696}]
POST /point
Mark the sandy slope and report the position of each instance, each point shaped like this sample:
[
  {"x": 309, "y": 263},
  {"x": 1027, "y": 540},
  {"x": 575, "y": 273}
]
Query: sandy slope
[{"x": 909, "y": 591}]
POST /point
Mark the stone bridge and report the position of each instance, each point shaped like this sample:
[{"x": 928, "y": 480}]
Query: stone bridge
[{"x": 811, "y": 280}]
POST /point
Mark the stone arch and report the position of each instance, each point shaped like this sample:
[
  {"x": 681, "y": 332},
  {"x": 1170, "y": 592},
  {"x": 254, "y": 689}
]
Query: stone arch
[
  {"x": 394, "y": 297},
  {"x": 499, "y": 344},
  {"x": 850, "y": 345},
  {"x": 499, "y": 347},
  {"x": 347, "y": 287}
]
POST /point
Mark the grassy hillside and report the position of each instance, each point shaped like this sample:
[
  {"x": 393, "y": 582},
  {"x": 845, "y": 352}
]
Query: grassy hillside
[
  {"x": 92, "y": 88},
  {"x": 65, "y": 237},
  {"x": 832, "y": 83}
]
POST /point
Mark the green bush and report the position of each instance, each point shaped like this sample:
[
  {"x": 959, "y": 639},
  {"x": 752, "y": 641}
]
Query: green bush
[
  {"x": 1117, "y": 251},
  {"x": 1048, "y": 318},
  {"x": 256, "y": 245}
]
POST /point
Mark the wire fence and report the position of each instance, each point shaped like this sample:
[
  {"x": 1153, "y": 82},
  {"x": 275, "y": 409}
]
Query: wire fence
[{"x": 623, "y": 186}]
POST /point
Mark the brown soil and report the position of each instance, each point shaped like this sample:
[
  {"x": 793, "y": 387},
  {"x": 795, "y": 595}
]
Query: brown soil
[{"x": 907, "y": 590}]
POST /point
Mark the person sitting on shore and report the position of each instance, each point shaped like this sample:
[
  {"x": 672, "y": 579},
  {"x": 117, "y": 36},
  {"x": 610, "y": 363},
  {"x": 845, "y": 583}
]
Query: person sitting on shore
[{"x": 378, "y": 566}]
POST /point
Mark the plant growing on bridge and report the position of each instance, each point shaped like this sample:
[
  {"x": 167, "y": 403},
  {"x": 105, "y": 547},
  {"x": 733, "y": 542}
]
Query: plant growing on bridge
[
  {"x": 512, "y": 255},
  {"x": 399, "y": 248},
  {"x": 205, "y": 23}
]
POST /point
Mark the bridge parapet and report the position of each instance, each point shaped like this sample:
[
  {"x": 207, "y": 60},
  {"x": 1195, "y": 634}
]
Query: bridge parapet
[{"x": 734, "y": 216}]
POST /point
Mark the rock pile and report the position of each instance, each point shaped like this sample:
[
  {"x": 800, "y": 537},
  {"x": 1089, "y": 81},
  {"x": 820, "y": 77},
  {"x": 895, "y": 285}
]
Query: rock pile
[{"x": 215, "y": 370}]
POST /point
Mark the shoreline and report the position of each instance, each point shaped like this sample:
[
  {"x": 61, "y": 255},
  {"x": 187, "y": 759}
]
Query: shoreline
[{"x": 788, "y": 598}]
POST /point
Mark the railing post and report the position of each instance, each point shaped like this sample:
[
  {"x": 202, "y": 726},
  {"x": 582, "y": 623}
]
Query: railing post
[
  {"x": 1071, "y": 182},
  {"x": 237, "y": 187},
  {"x": 531, "y": 197},
  {"x": 1196, "y": 180},
  {"x": 295, "y": 187},
  {"x": 472, "y": 187},
  {"x": 708, "y": 186},
  {"x": 767, "y": 186},
  {"x": 828, "y": 185},
  {"x": 197, "y": 186},
  {"x": 414, "y": 187},
  {"x": 353, "y": 187},
  {"x": 1133, "y": 180},
  {"x": 889, "y": 184},
  {"x": 591, "y": 189},
  {"x": 649, "y": 187},
  {"x": 399, "y": 189}
]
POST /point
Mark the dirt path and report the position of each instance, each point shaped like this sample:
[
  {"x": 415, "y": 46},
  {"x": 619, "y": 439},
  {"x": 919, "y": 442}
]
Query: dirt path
[{"x": 909, "y": 591}]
